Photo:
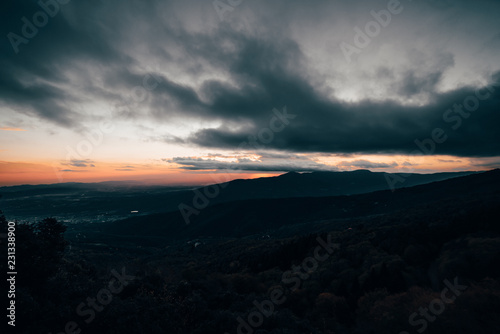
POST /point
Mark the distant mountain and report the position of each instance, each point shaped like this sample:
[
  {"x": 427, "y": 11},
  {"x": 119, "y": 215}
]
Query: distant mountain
[
  {"x": 242, "y": 218},
  {"x": 106, "y": 201},
  {"x": 320, "y": 184}
]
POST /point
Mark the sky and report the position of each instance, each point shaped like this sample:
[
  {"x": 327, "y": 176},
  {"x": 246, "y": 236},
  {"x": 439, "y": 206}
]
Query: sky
[{"x": 195, "y": 92}]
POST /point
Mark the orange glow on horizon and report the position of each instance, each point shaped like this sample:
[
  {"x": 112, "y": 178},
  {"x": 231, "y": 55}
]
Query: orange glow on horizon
[
  {"x": 157, "y": 172},
  {"x": 12, "y": 129},
  {"x": 17, "y": 173}
]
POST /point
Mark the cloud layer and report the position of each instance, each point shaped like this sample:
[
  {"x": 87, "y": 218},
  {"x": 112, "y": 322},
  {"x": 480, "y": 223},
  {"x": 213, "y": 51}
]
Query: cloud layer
[{"x": 213, "y": 84}]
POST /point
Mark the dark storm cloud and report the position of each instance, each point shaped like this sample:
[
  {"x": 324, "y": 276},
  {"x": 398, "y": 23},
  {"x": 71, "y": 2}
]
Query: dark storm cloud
[
  {"x": 412, "y": 84},
  {"x": 41, "y": 100},
  {"x": 260, "y": 71},
  {"x": 33, "y": 80},
  {"x": 270, "y": 74},
  {"x": 370, "y": 127}
]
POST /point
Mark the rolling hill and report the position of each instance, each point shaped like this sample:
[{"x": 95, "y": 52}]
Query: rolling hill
[{"x": 251, "y": 217}]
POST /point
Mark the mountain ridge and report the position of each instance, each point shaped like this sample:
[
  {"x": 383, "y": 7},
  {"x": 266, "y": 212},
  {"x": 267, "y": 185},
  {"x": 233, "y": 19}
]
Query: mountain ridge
[{"x": 245, "y": 217}]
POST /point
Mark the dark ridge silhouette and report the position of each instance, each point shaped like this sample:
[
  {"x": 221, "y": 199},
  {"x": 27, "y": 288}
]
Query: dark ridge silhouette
[
  {"x": 240, "y": 218},
  {"x": 395, "y": 253},
  {"x": 115, "y": 200}
]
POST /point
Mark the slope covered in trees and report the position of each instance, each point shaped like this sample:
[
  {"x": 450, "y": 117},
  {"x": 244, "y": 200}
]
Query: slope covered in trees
[{"x": 431, "y": 267}]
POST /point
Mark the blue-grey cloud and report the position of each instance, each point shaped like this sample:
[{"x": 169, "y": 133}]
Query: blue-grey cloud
[{"x": 234, "y": 72}]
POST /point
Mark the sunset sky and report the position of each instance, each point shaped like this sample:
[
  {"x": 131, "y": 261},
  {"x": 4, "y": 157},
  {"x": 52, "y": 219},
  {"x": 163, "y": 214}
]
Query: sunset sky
[{"x": 196, "y": 92}]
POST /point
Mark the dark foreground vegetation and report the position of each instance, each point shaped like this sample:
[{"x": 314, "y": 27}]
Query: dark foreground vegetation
[{"x": 432, "y": 267}]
